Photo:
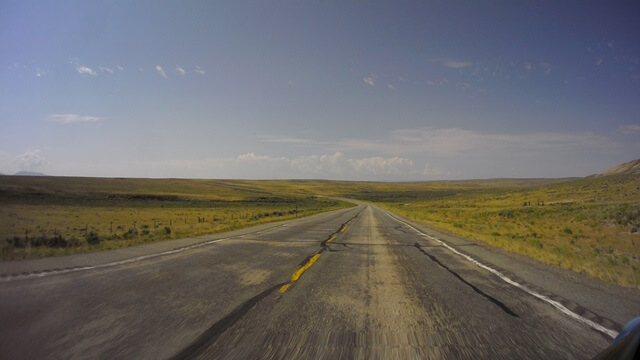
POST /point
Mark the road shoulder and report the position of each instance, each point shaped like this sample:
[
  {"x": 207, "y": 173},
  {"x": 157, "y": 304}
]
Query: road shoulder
[
  {"x": 20, "y": 268},
  {"x": 611, "y": 302}
]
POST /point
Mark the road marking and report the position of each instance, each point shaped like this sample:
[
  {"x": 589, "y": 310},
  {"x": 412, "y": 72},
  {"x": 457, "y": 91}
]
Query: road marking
[
  {"x": 44, "y": 273},
  {"x": 296, "y": 275},
  {"x": 508, "y": 280}
]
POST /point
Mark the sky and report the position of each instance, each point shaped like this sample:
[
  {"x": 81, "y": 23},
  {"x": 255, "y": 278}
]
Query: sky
[{"x": 345, "y": 90}]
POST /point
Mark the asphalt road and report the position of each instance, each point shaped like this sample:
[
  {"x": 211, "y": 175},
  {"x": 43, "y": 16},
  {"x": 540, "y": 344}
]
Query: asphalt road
[{"x": 355, "y": 283}]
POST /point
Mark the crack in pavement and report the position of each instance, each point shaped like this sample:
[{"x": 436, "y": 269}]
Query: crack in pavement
[
  {"x": 399, "y": 228},
  {"x": 501, "y": 305},
  {"x": 211, "y": 335},
  {"x": 594, "y": 322}
]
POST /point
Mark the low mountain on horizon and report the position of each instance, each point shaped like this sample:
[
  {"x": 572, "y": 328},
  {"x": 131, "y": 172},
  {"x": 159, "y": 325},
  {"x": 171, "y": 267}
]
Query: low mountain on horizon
[
  {"x": 28, "y": 173},
  {"x": 631, "y": 167}
]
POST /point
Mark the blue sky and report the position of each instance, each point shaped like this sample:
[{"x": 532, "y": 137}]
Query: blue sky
[{"x": 398, "y": 90}]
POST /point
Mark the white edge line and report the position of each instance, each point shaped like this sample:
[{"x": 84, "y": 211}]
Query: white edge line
[
  {"x": 106, "y": 265},
  {"x": 506, "y": 279},
  {"x": 44, "y": 273}
]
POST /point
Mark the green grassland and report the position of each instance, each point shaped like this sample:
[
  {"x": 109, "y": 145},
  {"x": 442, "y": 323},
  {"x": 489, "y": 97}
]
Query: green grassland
[
  {"x": 584, "y": 224},
  {"x": 45, "y": 216},
  {"x": 587, "y": 225}
]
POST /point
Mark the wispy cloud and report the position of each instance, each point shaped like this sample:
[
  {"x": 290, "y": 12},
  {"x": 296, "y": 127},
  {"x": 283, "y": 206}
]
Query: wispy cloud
[
  {"x": 457, "y": 64},
  {"x": 106, "y": 69},
  {"x": 545, "y": 67},
  {"x": 333, "y": 164},
  {"x": 180, "y": 71},
  {"x": 392, "y": 87},
  {"x": 370, "y": 80},
  {"x": 632, "y": 129},
  {"x": 160, "y": 71},
  {"x": 199, "y": 70},
  {"x": 452, "y": 142},
  {"x": 434, "y": 171},
  {"x": 286, "y": 140},
  {"x": 378, "y": 165},
  {"x": 120, "y": 68},
  {"x": 73, "y": 118},
  {"x": 30, "y": 160},
  {"x": 85, "y": 70}
]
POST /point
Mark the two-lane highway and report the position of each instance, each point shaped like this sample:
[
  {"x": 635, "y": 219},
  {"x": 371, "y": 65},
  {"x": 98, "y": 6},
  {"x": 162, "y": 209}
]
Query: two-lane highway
[{"x": 355, "y": 283}]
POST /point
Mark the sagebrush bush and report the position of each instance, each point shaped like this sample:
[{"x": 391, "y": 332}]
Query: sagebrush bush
[{"x": 93, "y": 238}]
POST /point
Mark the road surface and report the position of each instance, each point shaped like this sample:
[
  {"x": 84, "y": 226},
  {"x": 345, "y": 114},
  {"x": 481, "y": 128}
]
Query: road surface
[{"x": 350, "y": 284}]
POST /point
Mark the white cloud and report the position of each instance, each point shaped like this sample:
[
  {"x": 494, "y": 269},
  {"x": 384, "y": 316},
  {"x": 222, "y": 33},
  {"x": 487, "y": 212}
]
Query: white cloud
[
  {"x": 40, "y": 73},
  {"x": 392, "y": 87},
  {"x": 160, "y": 71},
  {"x": 370, "y": 80},
  {"x": 382, "y": 166},
  {"x": 106, "y": 69},
  {"x": 528, "y": 67},
  {"x": 545, "y": 67},
  {"x": 457, "y": 64},
  {"x": 452, "y": 142},
  {"x": 120, "y": 68},
  {"x": 199, "y": 70},
  {"x": 85, "y": 70},
  {"x": 320, "y": 165},
  {"x": 435, "y": 171},
  {"x": 252, "y": 157},
  {"x": 286, "y": 140},
  {"x": 329, "y": 165},
  {"x": 180, "y": 71},
  {"x": 599, "y": 61},
  {"x": 30, "y": 160},
  {"x": 632, "y": 129},
  {"x": 73, "y": 118}
]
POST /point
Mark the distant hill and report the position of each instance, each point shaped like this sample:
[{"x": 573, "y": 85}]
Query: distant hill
[
  {"x": 631, "y": 167},
  {"x": 28, "y": 173}
]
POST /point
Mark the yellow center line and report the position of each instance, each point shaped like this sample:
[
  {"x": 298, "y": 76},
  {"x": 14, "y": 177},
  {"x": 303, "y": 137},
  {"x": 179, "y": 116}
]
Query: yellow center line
[{"x": 296, "y": 275}]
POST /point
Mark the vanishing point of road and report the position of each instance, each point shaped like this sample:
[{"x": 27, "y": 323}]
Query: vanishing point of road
[{"x": 357, "y": 283}]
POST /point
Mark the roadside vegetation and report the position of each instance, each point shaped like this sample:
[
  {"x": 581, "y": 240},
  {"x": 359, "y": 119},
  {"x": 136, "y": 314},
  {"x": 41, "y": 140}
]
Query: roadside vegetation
[
  {"x": 46, "y": 216},
  {"x": 587, "y": 225}
]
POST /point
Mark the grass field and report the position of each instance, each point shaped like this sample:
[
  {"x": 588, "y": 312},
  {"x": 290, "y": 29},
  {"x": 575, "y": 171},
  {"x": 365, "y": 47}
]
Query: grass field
[
  {"x": 44, "y": 216},
  {"x": 587, "y": 225}
]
